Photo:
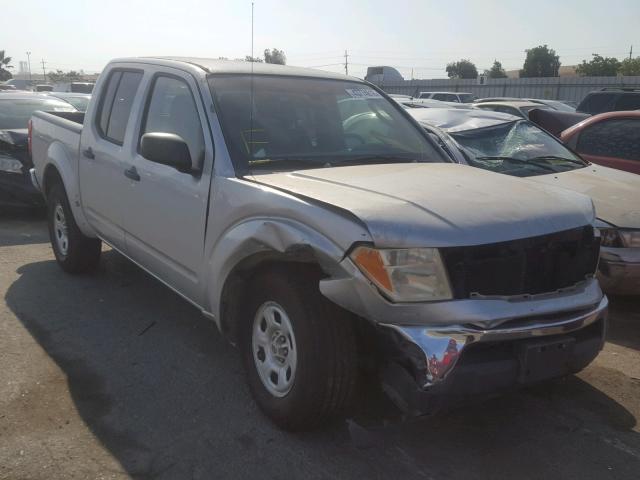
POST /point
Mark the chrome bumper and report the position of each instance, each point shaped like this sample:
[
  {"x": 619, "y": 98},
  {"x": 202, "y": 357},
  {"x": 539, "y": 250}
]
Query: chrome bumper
[
  {"x": 619, "y": 270},
  {"x": 34, "y": 179},
  {"x": 442, "y": 346}
]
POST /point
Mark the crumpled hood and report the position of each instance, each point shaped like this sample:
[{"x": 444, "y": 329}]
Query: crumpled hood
[
  {"x": 438, "y": 204},
  {"x": 616, "y": 194}
]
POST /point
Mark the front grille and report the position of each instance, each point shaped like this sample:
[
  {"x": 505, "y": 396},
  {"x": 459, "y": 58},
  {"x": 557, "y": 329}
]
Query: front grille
[{"x": 526, "y": 266}]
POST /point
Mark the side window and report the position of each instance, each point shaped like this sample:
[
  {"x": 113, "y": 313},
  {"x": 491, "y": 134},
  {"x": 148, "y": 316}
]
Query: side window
[
  {"x": 172, "y": 109},
  {"x": 107, "y": 101},
  {"x": 628, "y": 101},
  {"x": 598, "y": 103},
  {"x": 121, "y": 108},
  {"x": 618, "y": 138}
]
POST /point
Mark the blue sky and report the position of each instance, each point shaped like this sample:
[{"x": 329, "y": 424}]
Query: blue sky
[{"x": 419, "y": 34}]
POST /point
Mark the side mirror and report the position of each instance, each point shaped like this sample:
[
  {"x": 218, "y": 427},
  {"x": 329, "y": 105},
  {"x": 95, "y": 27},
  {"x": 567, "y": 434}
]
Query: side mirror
[{"x": 167, "y": 149}]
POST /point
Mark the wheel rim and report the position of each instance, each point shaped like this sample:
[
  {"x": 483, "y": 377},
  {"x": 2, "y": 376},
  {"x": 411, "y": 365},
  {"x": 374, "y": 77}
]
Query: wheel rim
[
  {"x": 274, "y": 348},
  {"x": 60, "y": 230}
]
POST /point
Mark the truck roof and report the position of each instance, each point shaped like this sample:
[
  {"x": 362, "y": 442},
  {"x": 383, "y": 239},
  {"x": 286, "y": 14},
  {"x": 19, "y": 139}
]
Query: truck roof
[{"x": 213, "y": 66}]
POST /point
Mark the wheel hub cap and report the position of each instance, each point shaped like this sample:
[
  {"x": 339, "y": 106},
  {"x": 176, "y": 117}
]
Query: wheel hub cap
[
  {"x": 60, "y": 230},
  {"x": 274, "y": 349}
]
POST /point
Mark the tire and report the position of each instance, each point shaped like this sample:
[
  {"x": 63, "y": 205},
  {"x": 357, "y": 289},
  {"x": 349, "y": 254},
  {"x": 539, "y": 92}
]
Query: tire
[
  {"x": 75, "y": 252},
  {"x": 323, "y": 346}
]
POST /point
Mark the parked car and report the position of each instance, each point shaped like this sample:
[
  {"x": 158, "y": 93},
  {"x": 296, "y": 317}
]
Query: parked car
[
  {"x": 513, "y": 146},
  {"x": 611, "y": 139},
  {"x": 610, "y": 100},
  {"x": 560, "y": 105},
  {"x": 519, "y": 109},
  {"x": 74, "y": 87},
  {"x": 8, "y": 88},
  {"x": 458, "y": 97},
  {"x": 554, "y": 121},
  {"x": 427, "y": 103},
  {"x": 16, "y": 189},
  {"x": 43, "y": 88},
  {"x": 331, "y": 228},
  {"x": 79, "y": 100}
]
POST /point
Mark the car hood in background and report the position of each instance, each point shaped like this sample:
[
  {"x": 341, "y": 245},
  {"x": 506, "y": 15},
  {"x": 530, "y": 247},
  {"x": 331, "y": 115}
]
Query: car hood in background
[
  {"x": 615, "y": 193},
  {"x": 438, "y": 204},
  {"x": 15, "y": 137}
]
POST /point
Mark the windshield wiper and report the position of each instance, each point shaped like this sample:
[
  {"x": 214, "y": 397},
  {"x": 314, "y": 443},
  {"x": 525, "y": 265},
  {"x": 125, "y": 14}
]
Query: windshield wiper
[
  {"x": 556, "y": 157},
  {"x": 520, "y": 161},
  {"x": 375, "y": 158}
]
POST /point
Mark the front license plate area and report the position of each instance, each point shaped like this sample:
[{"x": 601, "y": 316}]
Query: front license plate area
[{"x": 544, "y": 359}]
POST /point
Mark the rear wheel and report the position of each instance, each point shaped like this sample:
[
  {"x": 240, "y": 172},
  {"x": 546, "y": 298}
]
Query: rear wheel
[
  {"x": 299, "y": 350},
  {"x": 74, "y": 251}
]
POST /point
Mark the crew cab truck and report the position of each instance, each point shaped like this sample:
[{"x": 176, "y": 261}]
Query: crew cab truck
[{"x": 314, "y": 221}]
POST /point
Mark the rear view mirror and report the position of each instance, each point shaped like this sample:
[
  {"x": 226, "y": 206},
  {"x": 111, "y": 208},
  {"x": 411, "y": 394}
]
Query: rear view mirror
[{"x": 167, "y": 149}]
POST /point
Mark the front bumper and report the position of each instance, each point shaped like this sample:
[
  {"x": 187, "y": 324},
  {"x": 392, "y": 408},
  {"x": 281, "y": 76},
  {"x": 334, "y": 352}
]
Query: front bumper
[
  {"x": 433, "y": 368},
  {"x": 619, "y": 270}
]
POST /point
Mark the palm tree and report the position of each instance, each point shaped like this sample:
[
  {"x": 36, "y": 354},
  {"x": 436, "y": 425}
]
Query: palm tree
[{"x": 4, "y": 65}]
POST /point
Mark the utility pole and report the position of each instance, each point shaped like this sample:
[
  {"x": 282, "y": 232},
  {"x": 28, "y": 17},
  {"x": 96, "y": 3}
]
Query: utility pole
[
  {"x": 346, "y": 63},
  {"x": 29, "y": 63},
  {"x": 630, "y": 52},
  {"x": 44, "y": 73}
]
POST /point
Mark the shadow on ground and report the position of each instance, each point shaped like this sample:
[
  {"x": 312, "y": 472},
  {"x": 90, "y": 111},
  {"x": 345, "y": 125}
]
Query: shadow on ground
[
  {"x": 165, "y": 394},
  {"x": 624, "y": 321}
]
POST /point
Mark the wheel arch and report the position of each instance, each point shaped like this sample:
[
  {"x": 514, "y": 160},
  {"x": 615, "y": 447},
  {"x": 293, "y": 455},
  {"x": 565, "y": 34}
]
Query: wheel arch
[{"x": 266, "y": 243}]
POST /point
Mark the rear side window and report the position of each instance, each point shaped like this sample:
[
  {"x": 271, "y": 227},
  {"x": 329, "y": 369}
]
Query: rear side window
[
  {"x": 115, "y": 107},
  {"x": 445, "y": 97},
  {"x": 172, "y": 109},
  {"x": 628, "y": 101},
  {"x": 598, "y": 103},
  {"x": 618, "y": 138}
]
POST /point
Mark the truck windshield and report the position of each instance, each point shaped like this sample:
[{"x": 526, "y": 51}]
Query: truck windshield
[
  {"x": 516, "y": 148},
  {"x": 299, "y": 122}
]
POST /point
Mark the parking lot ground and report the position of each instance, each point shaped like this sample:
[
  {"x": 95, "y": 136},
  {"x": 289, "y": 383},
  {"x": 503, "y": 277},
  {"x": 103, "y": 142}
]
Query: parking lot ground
[{"x": 111, "y": 375}]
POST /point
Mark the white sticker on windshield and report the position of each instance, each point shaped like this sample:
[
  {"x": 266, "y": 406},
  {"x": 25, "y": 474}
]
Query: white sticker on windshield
[{"x": 363, "y": 92}]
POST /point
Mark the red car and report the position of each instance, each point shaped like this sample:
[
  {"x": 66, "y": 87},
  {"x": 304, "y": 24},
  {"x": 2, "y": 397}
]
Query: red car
[{"x": 611, "y": 139}]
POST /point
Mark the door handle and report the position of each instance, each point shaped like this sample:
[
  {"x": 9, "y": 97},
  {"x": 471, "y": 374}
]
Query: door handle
[
  {"x": 132, "y": 173},
  {"x": 88, "y": 152}
]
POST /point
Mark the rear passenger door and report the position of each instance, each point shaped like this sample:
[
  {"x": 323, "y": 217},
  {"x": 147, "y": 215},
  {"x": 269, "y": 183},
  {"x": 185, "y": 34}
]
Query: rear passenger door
[
  {"x": 614, "y": 143},
  {"x": 101, "y": 155},
  {"x": 165, "y": 209}
]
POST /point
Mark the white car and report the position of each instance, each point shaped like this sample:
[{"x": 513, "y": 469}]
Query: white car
[{"x": 459, "y": 97}]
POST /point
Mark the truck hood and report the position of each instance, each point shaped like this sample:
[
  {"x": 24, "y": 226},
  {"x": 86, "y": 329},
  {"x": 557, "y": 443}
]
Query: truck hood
[
  {"x": 438, "y": 204},
  {"x": 616, "y": 194}
]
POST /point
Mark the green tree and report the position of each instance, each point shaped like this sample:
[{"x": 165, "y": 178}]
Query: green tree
[
  {"x": 275, "y": 56},
  {"x": 5, "y": 74},
  {"x": 630, "y": 66},
  {"x": 541, "y": 61},
  {"x": 599, "y": 66},
  {"x": 249, "y": 58},
  {"x": 61, "y": 77},
  {"x": 496, "y": 71},
  {"x": 462, "y": 69}
]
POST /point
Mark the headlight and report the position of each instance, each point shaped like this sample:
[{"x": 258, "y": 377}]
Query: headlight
[
  {"x": 608, "y": 234},
  {"x": 630, "y": 238},
  {"x": 8, "y": 164},
  {"x": 405, "y": 275}
]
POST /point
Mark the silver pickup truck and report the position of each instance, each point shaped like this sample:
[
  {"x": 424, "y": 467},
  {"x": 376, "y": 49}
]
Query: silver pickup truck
[{"x": 324, "y": 232}]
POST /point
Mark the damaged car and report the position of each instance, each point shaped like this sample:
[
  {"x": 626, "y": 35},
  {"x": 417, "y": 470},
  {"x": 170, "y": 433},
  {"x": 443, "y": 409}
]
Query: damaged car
[
  {"x": 325, "y": 233},
  {"x": 510, "y": 145},
  {"x": 16, "y": 188}
]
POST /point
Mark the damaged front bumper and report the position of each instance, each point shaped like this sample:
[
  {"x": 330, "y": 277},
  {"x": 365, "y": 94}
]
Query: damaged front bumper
[
  {"x": 431, "y": 368},
  {"x": 619, "y": 270}
]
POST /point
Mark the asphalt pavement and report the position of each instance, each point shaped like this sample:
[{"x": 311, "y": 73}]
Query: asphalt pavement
[{"x": 111, "y": 375}]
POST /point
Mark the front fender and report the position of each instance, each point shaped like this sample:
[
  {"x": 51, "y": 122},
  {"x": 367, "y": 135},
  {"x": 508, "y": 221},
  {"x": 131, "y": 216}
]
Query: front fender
[
  {"x": 58, "y": 157},
  {"x": 261, "y": 236}
]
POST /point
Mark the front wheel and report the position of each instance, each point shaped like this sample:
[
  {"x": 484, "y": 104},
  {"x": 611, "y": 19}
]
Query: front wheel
[
  {"x": 74, "y": 251},
  {"x": 299, "y": 351}
]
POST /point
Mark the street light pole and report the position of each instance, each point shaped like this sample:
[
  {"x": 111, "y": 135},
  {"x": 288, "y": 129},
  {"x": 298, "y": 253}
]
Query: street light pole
[{"x": 29, "y": 63}]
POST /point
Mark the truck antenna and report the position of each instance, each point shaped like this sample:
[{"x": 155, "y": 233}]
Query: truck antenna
[{"x": 251, "y": 100}]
